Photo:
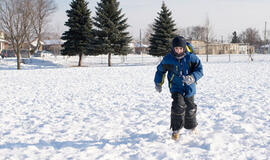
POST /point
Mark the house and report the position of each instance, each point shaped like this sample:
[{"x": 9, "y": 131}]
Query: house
[
  {"x": 53, "y": 46},
  {"x": 199, "y": 46},
  {"x": 33, "y": 44},
  {"x": 245, "y": 48},
  {"x": 3, "y": 42},
  {"x": 141, "y": 48},
  {"x": 221, "y": 48},
  {"x": 131, "y": 45}
]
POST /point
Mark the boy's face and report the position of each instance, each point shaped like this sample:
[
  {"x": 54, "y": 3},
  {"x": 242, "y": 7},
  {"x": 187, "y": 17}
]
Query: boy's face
[{"x": 179, "y": 50}]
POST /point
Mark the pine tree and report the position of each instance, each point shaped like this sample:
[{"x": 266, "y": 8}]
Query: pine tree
[
  {"x": 164, "y": 31},
  {"x": 78, "y": 37},
  {"x": 110, "y": 34},
  {"x": 235, "y": 38}
]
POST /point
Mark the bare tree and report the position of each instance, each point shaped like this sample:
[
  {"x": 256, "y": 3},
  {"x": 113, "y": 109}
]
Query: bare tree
[
  {"x": 197, "y": 33},
  {"x": 30, "y": 34},
  {"x": 147, "y": 34},
  {"x": 40, "y": 12},
  {"x": 15, "y": 22},
  {"x": 193, "y": 32},
  {"x": 55, "y": 35},
  {"x": 21, "y": 20},
  {"x": 185, "y": 32},
  {"x": 251, "y": 36},
  {"x": 209, "y": 35}
]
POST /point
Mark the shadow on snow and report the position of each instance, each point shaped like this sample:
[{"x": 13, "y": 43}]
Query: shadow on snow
[
  {"x": 133, "y": 139},
  {"x": 29, "y": 64}
]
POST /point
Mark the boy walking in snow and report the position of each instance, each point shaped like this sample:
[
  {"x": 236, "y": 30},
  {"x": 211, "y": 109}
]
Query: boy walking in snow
[{"x": 184, "y": 69}]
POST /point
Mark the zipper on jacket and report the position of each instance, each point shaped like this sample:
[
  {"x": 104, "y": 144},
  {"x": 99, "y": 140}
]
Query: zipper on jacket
[{"x": 171, "y": 81}]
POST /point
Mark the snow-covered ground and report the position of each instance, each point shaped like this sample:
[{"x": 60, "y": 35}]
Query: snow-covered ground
[{"x": 52, "y": 110}]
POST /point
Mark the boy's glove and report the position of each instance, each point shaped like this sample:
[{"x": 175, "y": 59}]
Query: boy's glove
[
  {"x": 188, "y": 79},
  {"x": 158, "y": 88}
]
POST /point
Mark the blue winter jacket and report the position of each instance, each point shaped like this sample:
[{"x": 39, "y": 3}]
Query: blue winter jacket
[{"x": 188, "y": 65}]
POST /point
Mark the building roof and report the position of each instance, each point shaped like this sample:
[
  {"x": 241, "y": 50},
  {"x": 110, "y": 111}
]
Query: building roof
[
  {"x": 34, "y": 43},
  {"x": 142, "y": 45},
  {"x": 2, "y": 40},
  {"x": 53, "y": 42}
]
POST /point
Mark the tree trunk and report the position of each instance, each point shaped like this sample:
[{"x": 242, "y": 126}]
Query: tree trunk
[
  {"x": 206, "y": 51},
  {"x": 18, "y": 59},
  {"x": 80, "y": 60},
  {"x": 29, "y": 53},
  {"x": 109, "y": 60}
]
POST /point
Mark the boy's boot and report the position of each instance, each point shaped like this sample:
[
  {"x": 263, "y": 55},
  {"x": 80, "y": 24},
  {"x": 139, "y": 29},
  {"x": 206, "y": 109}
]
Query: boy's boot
[
  {"x": 175, "y": 135},
  {"x": 194, "y": 131}
]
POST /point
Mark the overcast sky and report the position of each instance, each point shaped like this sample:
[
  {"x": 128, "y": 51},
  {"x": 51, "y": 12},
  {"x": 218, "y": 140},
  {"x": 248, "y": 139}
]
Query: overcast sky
[{"x": 225, "y": 16}]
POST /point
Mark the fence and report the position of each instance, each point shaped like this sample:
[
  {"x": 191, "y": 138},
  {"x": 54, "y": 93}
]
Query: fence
[
  {"x": 141, "y": 60},
  {"x": 133, "y": 59}
]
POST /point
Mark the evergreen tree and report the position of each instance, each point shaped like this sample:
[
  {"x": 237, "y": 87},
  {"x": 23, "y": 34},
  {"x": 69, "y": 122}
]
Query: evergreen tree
[
  {"x": 235, "y": 38},
  {"x": 110, "y": 33},
  {"x": 78, "y": 37},
  {"x": 164, "y": 31}
]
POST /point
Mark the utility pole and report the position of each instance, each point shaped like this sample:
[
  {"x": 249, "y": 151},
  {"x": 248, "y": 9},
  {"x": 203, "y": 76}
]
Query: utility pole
[
  {"x": 264, "y": 49},
  {"x": 140, "y": 41},
  {"x": 222, "y": 43},
  {"x": 141, "y": 44},
  {"x": 221, "y": 39}
]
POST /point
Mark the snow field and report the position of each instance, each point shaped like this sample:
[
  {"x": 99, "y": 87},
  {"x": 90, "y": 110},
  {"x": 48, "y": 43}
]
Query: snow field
[{"x": 49, "y": 110}]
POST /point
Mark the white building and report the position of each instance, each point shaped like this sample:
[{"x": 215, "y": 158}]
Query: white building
[
  {"x": 243, "y": 48},
  {"x": 3, "y": 42}
]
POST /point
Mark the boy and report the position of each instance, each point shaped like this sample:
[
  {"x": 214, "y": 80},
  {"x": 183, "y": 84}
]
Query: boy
[{"x": 184, "y": 70}]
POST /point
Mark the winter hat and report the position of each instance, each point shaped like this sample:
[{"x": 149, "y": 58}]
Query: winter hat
[{"x": 179, "y": 41}]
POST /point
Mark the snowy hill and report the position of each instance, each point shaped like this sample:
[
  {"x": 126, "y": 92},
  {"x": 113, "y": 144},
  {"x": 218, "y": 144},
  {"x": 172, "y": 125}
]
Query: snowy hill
[{"x": 50, "y": 110}]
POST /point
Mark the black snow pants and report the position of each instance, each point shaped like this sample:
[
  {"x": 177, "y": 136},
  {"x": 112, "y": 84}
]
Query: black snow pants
[{"x": 183, "y": 112}]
